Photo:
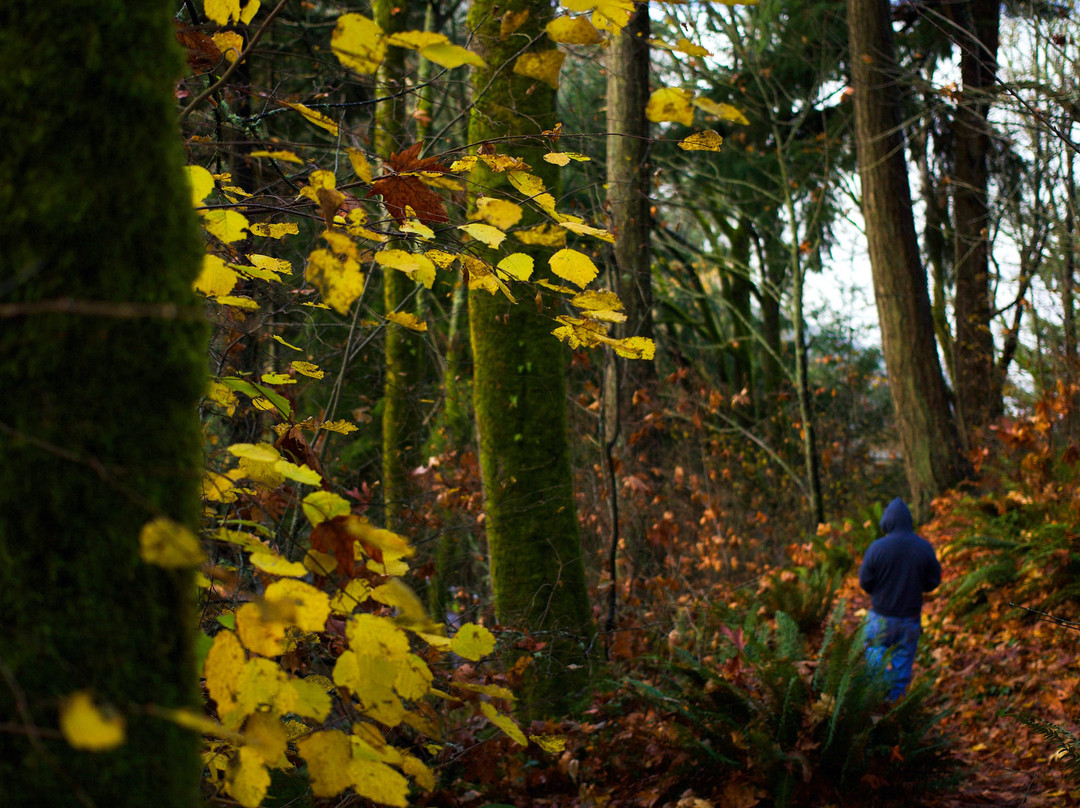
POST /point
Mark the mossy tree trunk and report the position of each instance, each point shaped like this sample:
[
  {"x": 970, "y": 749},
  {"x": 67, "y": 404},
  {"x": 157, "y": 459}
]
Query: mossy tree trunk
[
  {"x": 519, "y": 390},
  {"x": 102, "y": 363},
  {"x": 928, "y": 434}
]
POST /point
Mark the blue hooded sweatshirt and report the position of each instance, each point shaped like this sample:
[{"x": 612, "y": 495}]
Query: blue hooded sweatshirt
[{"x": 900, "y": 566}]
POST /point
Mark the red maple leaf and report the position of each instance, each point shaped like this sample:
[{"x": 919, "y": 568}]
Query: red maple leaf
[{"x": 402, "y": 189}]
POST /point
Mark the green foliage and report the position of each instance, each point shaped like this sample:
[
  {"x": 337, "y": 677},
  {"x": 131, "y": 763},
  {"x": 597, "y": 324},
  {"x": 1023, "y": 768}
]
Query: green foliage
[{"x": 1066, "y": 745}]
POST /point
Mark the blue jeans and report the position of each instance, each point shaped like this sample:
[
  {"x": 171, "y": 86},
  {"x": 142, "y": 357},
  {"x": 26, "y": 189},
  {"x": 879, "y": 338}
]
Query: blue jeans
[{"x": 892, "y": 641}]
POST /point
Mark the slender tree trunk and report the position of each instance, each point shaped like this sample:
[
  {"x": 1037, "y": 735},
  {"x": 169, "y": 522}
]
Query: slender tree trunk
[
  {"x": 928, "y": 435},
  {"x": 98, "y": 429},
  {"x": 519, "y": 391},
  {"x": 974, "y": 346}
]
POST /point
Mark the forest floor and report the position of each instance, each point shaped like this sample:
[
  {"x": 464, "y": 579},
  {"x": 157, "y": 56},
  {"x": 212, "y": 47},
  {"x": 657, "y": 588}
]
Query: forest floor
[{"x": 988, "y": 666}]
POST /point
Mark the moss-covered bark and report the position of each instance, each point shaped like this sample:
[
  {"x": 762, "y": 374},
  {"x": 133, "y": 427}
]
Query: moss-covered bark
[
  {"x": 98, "y": 429},
  {"x": 519, "y": 390}
]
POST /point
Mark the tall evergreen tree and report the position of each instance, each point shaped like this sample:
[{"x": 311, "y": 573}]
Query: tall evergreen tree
[{"x": 102, "y": 353}]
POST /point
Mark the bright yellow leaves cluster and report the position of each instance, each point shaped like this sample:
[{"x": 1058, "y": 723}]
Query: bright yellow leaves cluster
[{"x": 360, "y": 44}]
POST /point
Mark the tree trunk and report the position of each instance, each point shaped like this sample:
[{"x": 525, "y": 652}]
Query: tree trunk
[
  {"x": 519, "y": 391},
  {"x": 98, "y": 431},
  {"x": 928, "y": 435},
  {"x": 977, "y": 39}
]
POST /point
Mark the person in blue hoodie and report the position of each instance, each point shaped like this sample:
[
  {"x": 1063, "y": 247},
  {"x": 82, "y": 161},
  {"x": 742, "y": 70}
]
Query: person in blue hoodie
[{"x": 895, "y": 571}]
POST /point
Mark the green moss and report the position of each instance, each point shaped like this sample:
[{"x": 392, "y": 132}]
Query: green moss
[{"x": 99, "y": 431}]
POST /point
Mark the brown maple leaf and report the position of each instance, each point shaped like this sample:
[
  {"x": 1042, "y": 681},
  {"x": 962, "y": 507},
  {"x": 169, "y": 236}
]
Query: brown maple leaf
[
  {"x": 201, "y": 52},
  {"x": 332, "y": 536},
  {"x": 402, "y": 189}
]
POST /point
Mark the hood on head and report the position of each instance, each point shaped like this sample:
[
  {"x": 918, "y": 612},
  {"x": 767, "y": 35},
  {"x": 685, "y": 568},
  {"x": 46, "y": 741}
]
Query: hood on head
[{"x": 896, "y": 517}]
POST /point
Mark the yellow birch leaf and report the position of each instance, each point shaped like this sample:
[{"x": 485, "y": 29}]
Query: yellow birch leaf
[
  {"x": 286, "y": 344},
  {"x": 473, "y": 642},
  {"x": 413, "y": 679},
  {"x": 504, "y": 722},
  {"x": 248, "y": 12},
  {"x": 370, "y": 635},
  {"x": 202, "y": 183},
  {"x": 573, "y": 266},
  {"x": 543, "y": 235},
  {"x": 340, "y": 282},
  {"x": 230, "y": 43},
  {"x": 463, "y": 164},
  {"x": 271, "y": 264},
  {"x": 264, "y": 733},
  {"x": 528, "y": 184},
  {"x": 518, "y": 266},
  {"x": 346, "y": 600},
  {"x": 283, "y": 155},
  {"x": 245, "y": 303},
  {"x": 224, "y": 397},
  {"x": 573, "y": 31},
  {"x": 277, "y": 378},
  {"x": 387, "y": 541},
  {"x": 407, "y": 320},
  {"x": 633, "y": 347},
  {"x": 511, "y": 21},
  {"x": 328, "y": 756},
  {"x": 702, "y": 141},
  {"x": 215, "y": 278},
  {"x": 322, "y": 505},
  {"x": 552, "y": 744},
  {"x": 417, "y": 228},
  {"x": 275, "y": 230},
  {"x": 485, "y": 233},
  {"x": 298, "y": 474},
  {"x": 360, "y": 165},
  {"x": 308, "y": 369},
  {"x": 314, "y": 117},
  {"x": 310, "y": 606},
  {"x": 587, "y": 230},
  {"x": 557, "y": 158},
  {"x": 724, "y": 112},
  {"x": 341, "y": 427},
  {"x": 370, "y": 679},
  {"x": 495, "y": 691},
  {"x": 320, "y": 563},
  {"x": 222, "y": 11},
  {"x": 411, "y": 612},
  {"x": 169, "y": 544},
  {"x": 85, "y": 726},
  {"x": 543, "y": 66},
  {"x": 691, "y": 49},
  {"x": 421, "y": 774},
  {"x": 390, "y": 565},
  {"x": 577, "y": 332},
  {"x": 198, "y": 722},
  {"x": 227, "y": 225},
  {"x": 670, "y": 104},
  {"x": 441, "y": 258},
  {"x": 258, "y": 629},
  {"x": 274, "y": 564},
  {"x": 305, "y": 697},
  {"x": 218, "y": 488},
  {"x": 222, "y": 669},
  {"x": 448, "y": 55},
  {"x": 257, "y": 452},
  {"x": 378, "y": 782},
  {"x": 247, "y": 778},
  {"x": 499, "y": 213},
  {"x": 415, "y": 40},
  {"x": 417, "y": 266},
  {"x": 359, "y": 43}
]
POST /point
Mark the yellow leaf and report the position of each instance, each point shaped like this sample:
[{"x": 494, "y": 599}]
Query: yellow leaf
[
  {"x": 340, "y": 282},
  {"x": 85, "y": 726},
  {"x": 274, "y": 564},
  {"x": 724, "y": 112},
  {"x": 518, "y": 266},
  {"x": 633, "y": 347},
  {"x": 202, "y": 183},
  {"x": 463, "y": 164},
  {"x": 309, "y": 606},
  {"x": 307, "y": 369},
  {"x": 511, "y": 21},
  {"x": 284, "y": 156},
  {"x": 577, "y": 332},
  {"x": 702, "y": 141},
  {"x": 573, "y": 266},
  {"x": 482, "y": 276},
  {"x": 358, "y": 43},
  {"x": 320, "y": 563},
  {"x": 257, "y": 452},
  {"x": 322, "y": 505},
  {"x": 314, "y": 117},
  {"x": 360, "y": 165},
  {"x": 450, "y": 56},
  {"x": 230, "y": 43},
  {"x": 573, "y": 31},
  {"x": 387, "y": 541},
  {"x": 238, "y": 302},
  {"x": 275, "y": 230},
  {"x": 378, "y": 782},
  {"x": 552, "y": 744},
  {"x": 499, "y": 213},
  {"x": 346, "y": 600},
  {"x": 224, "y": 397},
  {"x": 501, "y": 163},
  {"x": 341, "y": 427},
  {"x": 259, "y": 628},
  {"x": 504, "y": 722},
  {"x": 600, "y": 305},
  {"x": 543, "y": 66},
  {"x": 264, "y": 733},
  {"x": 222, "y": 669},
  {"x": 528, "y": 184},
  {"x": 441, "y": 258},
  {"x": 413, "y": 679},
  {"x": 485, "y": 233},
  {"x": 305, "y": 697},
  {"x": 495, "y": 691},
  {"x": 586, "y": 230},
  {"x": 407, "y": 320},
  {"x": 227, "y": 225},
  {"x": 198, "y": 722},
  {"x": 341, "y": 244},
  {"x": 222, "y": 11},
  {"x": 298, "y": 474},
  {"x": 473, "y": 642},
  {"x": 370, "y": 679},
  {"x": 277, "y": 378},
  {"x": 328, "y": 757},
  {"x": 270, "y": 264},
  {"x": 417, "y": 266},
  {"x": 247, "y": 14},
  {"x": 691, "y": 49},
  {"x": 417, "y": 228},
  {"x": 415, "y": 40},
  {"x": 421, "y": 774},
  {"x": 370, "y": 635},
  {"x": 216, "y": 278},
  {"x": 544, "y": 235},
  {"x": 169, "y": 544},
  {"x": 247, "y": 779},
  {"x": 670, "y": 104},
  {"x": 411, "y": 612}
]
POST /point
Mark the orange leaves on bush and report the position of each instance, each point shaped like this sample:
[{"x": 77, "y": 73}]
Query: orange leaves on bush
[{"x": 403, "y": 188}]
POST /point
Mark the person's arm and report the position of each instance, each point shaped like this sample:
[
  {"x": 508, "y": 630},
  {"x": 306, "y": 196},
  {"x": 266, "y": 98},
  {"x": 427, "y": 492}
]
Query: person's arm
[
  {"x": 866, "y": 573},
  {"x": 932, "y": 572}
]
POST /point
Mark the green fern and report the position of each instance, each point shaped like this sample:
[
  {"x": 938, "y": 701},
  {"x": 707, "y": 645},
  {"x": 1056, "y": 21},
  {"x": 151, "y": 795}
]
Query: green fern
[{"x": 1067, "y": 745}]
